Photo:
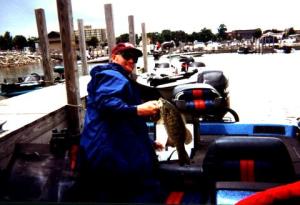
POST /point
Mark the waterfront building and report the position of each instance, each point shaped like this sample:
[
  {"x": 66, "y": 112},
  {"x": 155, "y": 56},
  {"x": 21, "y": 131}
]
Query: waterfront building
[
  {"x": 243, "y": 34},
  {"x": 90, "y": 32},
  {"x": 54, "y": 41}
]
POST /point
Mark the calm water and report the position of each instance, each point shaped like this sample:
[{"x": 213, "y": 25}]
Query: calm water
[{"x": 261, "y": 87}]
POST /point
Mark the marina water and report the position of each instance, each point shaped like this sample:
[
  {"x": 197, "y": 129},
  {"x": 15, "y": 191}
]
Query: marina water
[{"x": 262, "y": 87}]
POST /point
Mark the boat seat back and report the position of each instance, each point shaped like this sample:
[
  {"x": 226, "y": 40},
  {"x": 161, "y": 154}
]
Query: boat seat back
[
  {"x": 199, "y": 99},
  {"x": 262, "y": 159},
  {"x": 236, "y": 167}
]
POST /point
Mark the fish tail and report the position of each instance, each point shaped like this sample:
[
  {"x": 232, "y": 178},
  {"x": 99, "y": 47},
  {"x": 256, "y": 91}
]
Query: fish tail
[{"x": 183, "y": 157}]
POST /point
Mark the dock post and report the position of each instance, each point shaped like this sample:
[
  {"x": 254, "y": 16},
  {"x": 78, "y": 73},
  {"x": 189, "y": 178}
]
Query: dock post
[
  {"x": 145, "y": 54},
  {"x": 111, "y": 39},
  {"x": 131, "y": 30},
  {"x": 44, "y": 46},
  {"x": 64, "y": 10},
  {"x": 132, "y": 37},
  {"x": 82, "y": 47}
]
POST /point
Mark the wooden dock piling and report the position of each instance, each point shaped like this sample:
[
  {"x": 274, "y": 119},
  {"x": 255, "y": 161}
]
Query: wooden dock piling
[
  {"x": 64, "y": 10},
  {"x": 111, "y": 39},
  {"x": 44, "y": 46},
  {"x": 131, "y": 30},
  {"x": 82, "y": 47},
  {"x": 145, "y": 54}
]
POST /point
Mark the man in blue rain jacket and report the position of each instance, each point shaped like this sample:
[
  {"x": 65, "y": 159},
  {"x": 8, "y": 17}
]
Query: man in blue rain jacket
[{"x": 118, "y": 157}]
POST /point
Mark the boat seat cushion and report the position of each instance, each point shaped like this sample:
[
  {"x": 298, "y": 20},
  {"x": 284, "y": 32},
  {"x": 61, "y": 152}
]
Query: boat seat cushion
[{"x": 264, "y": 159}]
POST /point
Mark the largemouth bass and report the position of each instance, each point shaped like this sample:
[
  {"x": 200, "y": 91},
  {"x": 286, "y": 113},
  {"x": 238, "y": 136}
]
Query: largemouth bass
[{"x": 178, "y": 134}]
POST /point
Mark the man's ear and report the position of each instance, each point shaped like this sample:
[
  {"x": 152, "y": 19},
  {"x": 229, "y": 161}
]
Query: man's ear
[{"x": 113, "y": 57}]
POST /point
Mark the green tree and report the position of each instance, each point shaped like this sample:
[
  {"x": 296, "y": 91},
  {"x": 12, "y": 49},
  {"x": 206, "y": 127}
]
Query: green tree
[
  {"x": 206, "y": 35},
  {"x": 179, "y": 36},
  {"x": 93, "y": 42},
  {"x": 290, "y": 31},
  {"x": 155, "y": 37},
  {"x": 19, "y": 42},
  {"x": 222, "y": 33},
  {"x": 194, "y": 36},
  {"x": 31, "y": 41},
  {"x": 257, "y": 34},
  {"x": 123, "y": 38},
  {"x": 166, "y": 35},
  {"x": 6, "y": 41}
]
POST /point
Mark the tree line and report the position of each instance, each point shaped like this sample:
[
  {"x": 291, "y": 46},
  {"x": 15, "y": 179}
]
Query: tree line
[
  {"x": 18, "y": 42},
  {"x": 204, "y": 35}
]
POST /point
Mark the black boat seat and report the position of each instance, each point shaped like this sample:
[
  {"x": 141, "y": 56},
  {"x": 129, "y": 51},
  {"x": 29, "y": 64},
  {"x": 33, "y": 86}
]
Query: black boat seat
[
  {"x": 231, "y": 163},
  {"x": 264, "y": 159}
]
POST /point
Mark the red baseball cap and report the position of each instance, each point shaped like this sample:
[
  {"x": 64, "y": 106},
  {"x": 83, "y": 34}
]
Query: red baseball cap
[{"x": 128, "y": 47}]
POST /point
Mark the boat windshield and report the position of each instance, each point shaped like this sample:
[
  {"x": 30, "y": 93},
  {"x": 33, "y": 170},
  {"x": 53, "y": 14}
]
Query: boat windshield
[
  {"x": 162, "y": 65},
  {"x": 32, "y": 78}
]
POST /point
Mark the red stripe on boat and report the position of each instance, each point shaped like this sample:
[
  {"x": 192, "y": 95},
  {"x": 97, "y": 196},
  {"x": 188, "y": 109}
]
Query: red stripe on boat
[
  {"x": 73, "y": 156},
  {"x": 174, "y": 198},
  {"x": 247, "y": 170},
  {"x": 197, "y": 93},
  {"x": 199, "y": 104}
]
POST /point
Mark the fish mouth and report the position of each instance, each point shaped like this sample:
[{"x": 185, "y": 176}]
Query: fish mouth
[{"x": 160, "y": 103}]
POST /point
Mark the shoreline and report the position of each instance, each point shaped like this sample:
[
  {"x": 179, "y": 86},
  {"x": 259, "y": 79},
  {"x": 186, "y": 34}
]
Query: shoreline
[{"x": 16, "y": 59}]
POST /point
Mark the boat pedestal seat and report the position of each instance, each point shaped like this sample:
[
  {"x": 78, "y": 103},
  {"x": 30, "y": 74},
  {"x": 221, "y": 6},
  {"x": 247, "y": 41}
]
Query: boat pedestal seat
[
  {"x": 183, "y": 184},
  {"x": 175, "y": 168},
  {"x": 174, "y": 175}
]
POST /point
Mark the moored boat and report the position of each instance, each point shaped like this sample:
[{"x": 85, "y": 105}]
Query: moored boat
[
  {"x": 26, "y": 84},
  {"x": 245, "y": 50},
  {"x": 103, "y": 59}
]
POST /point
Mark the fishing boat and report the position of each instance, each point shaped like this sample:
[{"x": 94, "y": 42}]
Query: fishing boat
[
  {"x": 230, "y": 159},
  {"x": 171, "y": 70},
  {"x": 59, "y": 69},
  {"x": 26, "y": 84},
  {"x": 101, "y": 59},
  {"x": 245, "y": 50}
]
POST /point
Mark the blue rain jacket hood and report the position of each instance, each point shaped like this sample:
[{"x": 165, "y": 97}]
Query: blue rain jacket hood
[{"x": 115, "y": 139}]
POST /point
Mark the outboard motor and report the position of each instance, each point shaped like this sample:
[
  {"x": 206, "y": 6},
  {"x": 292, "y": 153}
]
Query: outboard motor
[
  {"x": 202, "y": 101},
  {"x": 197, "y": 100},
  {"x": 215, "y": 78}
]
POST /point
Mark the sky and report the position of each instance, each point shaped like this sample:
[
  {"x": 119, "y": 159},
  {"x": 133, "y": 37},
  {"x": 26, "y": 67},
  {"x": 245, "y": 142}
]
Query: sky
[{"x": 18, "y": 16}]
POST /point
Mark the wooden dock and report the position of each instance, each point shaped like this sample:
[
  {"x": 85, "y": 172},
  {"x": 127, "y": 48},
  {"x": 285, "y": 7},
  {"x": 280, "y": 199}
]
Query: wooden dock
[{"x": 32, "y": 116}]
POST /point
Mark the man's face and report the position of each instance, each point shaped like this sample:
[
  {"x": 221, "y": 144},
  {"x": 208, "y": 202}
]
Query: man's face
[{"x": 126, "y": 59}]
